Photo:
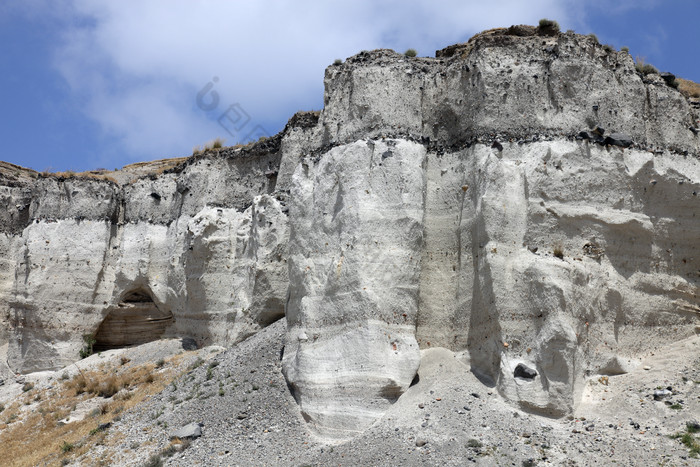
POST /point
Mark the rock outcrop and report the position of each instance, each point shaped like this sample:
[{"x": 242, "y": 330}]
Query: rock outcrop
[{"x": 435, "y": 202}]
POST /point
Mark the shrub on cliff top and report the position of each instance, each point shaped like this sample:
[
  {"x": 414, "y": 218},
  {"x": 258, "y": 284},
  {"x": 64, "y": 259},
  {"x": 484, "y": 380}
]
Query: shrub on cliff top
[
  {"x": 644, "y": 68},
  {"x": 548, "y": 27},
  {"x": 411, "y": 53}
]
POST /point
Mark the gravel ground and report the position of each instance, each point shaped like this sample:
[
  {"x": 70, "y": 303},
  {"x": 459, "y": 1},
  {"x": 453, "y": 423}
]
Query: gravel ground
[{"x": 449, "y": 417}]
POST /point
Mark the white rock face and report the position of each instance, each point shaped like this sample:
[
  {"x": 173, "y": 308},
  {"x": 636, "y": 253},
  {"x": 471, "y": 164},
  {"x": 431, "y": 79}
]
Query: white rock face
[
  {"x": 626, "y": 270},
  {"x": 221, "y": 273},
  {"x": 482, "y": 271},
  {"x": 433, "y": 203},
  {"x": 354, "y": 256}
]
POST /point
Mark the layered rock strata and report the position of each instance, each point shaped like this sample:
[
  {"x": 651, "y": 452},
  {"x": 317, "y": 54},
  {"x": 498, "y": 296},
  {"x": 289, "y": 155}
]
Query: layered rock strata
[{"x": 435, "y": 202}]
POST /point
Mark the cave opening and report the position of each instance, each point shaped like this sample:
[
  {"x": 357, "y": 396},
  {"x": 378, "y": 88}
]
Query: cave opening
[{"x": 135, "y": 320}]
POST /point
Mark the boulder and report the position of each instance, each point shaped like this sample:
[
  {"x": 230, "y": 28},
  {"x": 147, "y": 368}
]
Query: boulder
[{"x": 191, "y": 431}]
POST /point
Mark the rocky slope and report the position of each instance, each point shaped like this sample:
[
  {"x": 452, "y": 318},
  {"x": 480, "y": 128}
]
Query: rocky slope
[{"x": 527, "y": 200}]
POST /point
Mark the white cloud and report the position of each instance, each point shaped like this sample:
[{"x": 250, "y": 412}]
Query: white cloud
[{"x": 137, "y": 65}]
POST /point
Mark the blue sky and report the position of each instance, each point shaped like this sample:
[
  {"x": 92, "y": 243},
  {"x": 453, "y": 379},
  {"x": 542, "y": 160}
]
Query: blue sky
[{"x": 88, "y": 84}]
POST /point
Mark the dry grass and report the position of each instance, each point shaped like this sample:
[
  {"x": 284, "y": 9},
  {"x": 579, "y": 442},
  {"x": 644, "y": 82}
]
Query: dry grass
[
  {"x": 154, "y": 167},
  {"x": 688, "y": 88},
  {"x": 91, "y": 174},
  {"x": 218, "y": 143},
  {"x": 33, "y": 435},
  {"x": 644, "y": 68},
  {"x": 558, "y": 251}
]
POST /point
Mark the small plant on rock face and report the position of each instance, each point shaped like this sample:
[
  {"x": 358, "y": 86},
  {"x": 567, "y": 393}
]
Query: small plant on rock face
[
  {"x": 689, "y": 440},
  {"x": 66, "y": 447},
  {"x": 89, "y": 341},
  {"x": 411, "y": 53},
  {"x": 474, "y": 443},
  {"x": 594, "y": 37},
  {"x": 337, "y": 62},
  {"x": 154, "y": 461},
  {"x": 216, "y": 144},
  {"x": 27, "y": 387},
  {"x": 625, "y": 49},
  {"x": 644, "y": 68},
  {"x": 196, "y": 363},
  {"x": 558, "y": 251}
]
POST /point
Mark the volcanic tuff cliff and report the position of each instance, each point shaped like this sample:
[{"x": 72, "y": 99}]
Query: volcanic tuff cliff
[{"x": 468, "y": 201}]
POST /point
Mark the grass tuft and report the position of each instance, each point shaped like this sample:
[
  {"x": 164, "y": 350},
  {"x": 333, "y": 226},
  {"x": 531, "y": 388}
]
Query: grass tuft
[
  {"x": 67, "y": 447},
  {"x": 644, "y": 68},
  {"x": 558, "y": 251},
  {"x": 691, "y": 427},
  {"x": 154, "y": 461}
]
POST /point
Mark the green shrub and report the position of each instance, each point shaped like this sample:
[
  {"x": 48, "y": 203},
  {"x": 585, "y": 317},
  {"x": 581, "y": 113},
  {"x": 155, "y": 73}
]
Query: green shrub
[
  {"x": 594, "y": 37},
  {"x": 197, "y": 363},
  {"x": 89, "y": 340},
  {"x": 337, "y": 62},
  {"x": 625, "y": 49},
  {"x": 410, "y": 53},
  {"x": 689, "y": 442},
  {"x": 66, "y": 447}
]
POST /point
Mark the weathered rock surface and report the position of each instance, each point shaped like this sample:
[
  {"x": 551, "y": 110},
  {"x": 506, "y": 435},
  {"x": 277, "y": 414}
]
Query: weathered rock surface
[
  {"x": 213, "y": 267},
  {"x": 448, "y": 202},
  {"x": 354, "y": 257}
]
